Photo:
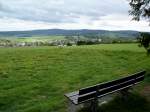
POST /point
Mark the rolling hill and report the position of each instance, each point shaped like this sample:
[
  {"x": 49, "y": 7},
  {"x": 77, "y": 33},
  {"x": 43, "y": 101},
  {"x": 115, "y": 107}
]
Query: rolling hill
[{"x": 48, "y": 32}]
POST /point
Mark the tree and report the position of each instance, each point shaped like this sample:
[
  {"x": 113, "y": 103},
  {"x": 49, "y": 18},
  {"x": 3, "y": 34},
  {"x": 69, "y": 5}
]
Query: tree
[
  {"x": 144, "y": 40},
  {"x": 141, "y": 9}
]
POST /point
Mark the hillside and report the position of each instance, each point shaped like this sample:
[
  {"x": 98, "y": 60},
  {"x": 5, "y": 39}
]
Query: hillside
[
  {"x": 35, "y": 79},
  {"x": 48, "y": 32}
]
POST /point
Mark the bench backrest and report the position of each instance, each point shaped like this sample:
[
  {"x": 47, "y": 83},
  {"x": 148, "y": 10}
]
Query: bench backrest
[{"x": 102, "y": 89}]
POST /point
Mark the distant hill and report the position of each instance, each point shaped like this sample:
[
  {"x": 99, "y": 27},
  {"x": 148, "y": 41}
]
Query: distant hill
[{"x": 104, "y": 33}]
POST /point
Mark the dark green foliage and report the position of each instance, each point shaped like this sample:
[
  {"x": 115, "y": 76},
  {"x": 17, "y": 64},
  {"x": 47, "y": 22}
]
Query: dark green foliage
[
  {"x": 132, "y": 103},
  {"x": 88, "y": 42},
  {"x": 144, "y": 40},
  {"x": 147, "y": 79},
  {"x": 139, "y": 9},
  {"x": 69, "y": 44}
]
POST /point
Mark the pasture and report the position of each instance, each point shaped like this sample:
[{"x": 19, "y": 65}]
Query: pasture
[
  {"x": 33, "y": 38},
  {"x": 34, "y": 79}
]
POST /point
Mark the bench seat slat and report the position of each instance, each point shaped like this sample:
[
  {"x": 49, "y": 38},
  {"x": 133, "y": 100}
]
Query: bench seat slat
[
  {"x": 104, "y": 85},
  {"x": 72, "y": 94},
  {"x": 73, "y": 97},
  {"x": 102, "y": 89},
  {"x": 131, "y": 80},
  {"x": 107, "y": 90}
]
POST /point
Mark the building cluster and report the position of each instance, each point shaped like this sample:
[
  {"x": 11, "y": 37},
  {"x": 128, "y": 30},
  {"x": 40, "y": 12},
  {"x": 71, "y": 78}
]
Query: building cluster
[{"x": 65, "y": 42}]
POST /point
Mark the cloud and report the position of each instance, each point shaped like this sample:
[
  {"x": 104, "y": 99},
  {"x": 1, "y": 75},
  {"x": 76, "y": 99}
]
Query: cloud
[
  {"x": 60, "y": 10},
  {"x": 9, "y": 24},
  {"x": 63, "y": 13}
]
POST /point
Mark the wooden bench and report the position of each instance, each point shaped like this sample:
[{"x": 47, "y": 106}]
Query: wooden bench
[{"x": 92, "y": 93}]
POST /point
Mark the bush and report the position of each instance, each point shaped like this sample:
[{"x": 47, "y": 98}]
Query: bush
[{"x": 133, "y": 103}]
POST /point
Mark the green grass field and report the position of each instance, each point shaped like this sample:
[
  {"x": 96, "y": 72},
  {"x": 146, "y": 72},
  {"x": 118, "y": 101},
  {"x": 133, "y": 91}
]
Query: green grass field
[
  {"x": 34, "y": 38},
  {"x": 35, "y": 79}
]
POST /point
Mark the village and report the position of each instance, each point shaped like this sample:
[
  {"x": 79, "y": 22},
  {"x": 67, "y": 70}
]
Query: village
[{"x": 63, "y": 42}]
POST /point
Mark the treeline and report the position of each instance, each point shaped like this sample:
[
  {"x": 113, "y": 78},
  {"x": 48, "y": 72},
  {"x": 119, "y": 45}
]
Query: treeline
[{"x": 95, "y": 39}]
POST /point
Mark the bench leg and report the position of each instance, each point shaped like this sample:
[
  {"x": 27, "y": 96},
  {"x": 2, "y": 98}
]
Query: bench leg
[
  {"x": 94, "y": 106},
  {"x": 72, "y": 107},
  {"x": 91, "y": 105},
  {"x": 125, "y": 93}
]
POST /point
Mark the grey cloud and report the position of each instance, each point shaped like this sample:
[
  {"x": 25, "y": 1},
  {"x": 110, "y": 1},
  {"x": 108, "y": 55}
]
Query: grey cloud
[
  {"x": 4, "y": 8},
  {"x": 60, "y": 11}
]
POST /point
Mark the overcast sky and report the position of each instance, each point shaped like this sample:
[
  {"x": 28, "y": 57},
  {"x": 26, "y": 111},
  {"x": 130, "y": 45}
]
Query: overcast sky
[{"x": 67, "y": 14}]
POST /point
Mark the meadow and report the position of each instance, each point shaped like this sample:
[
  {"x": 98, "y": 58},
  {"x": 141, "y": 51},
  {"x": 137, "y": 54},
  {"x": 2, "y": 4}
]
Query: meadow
[
  {"x": 35, "y": 79},
  {"x": 33, "y": 38}
]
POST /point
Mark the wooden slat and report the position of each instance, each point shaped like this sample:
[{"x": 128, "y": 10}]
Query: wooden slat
[
  {"x": 103, "y": 89},
  {"x": 72, "y": 94},
  {"x": 107, "y": 90},
  {"x": 110, "y": 83},
  {"x": 73, "y": 97}
]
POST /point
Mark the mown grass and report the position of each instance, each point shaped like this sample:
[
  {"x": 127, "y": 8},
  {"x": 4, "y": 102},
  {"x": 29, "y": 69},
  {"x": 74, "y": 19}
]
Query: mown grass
[{"x": 34, "y": 79}]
